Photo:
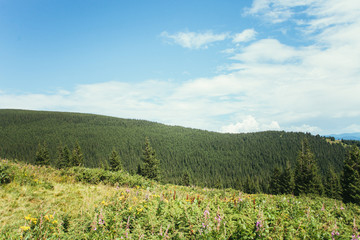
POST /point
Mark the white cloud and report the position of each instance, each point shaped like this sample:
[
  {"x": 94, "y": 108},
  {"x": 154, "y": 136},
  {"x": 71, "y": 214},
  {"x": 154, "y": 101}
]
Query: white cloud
[
  {"x": 195, "y": 40},
  {"x": 267, "y": 50},
  {"x": 244, "y": 36},
  {"x": 249, "y": 124}
]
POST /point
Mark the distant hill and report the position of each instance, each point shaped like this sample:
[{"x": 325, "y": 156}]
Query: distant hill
[
  {"x": 347, "y": 136},
  {"x": 210, "y": 158}
]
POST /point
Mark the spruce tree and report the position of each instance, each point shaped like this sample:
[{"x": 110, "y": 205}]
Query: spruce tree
[
  {"x": 114, "y": 161},
  {"x": 307, "y": 178},
  {"x": 42, "y": 155},
  {"x": 351, "y": 176},
  {"x": 275, "y": 182},
  {"x": 77, "y": 158},
  {"x": 333, "y": 187},
  {"x": 287, "y": 180},
  {"x": 185, "y": 181},
  {"x": 151, "y": 164},
  {"x": 63, "y": 157}
]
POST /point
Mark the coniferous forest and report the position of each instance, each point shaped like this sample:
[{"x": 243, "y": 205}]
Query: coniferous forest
[
  {"x": 240, "y": 161},
  {"x": 82, "y": 176}
]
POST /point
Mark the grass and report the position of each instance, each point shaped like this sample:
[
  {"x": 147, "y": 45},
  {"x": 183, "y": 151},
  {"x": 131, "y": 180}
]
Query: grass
[{"x": 44, "y": 203}]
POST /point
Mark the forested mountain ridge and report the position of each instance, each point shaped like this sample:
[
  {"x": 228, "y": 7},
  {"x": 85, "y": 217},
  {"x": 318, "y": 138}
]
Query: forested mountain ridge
[{"x": 211, "y": 159}]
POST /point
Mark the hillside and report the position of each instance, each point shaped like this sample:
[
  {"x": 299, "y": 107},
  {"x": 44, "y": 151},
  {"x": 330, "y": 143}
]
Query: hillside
[
  {"x": 44, "y": 203},
  {"x": 212, "y": 159}
]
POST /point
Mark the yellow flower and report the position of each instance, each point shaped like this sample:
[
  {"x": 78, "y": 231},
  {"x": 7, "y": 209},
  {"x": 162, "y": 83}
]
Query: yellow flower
[
  {"x": 24, "y": 228},
  {"x": 137, "y": 187},
  {"x": 130, "y": 208},
  {"x": 34, "y": 220},
  {"x": 55, "y": 222},
  {"x": 35, "y": 180},
  {"x": 28, "y": 217},
  {"x": 51, "y": 216},
  {"x": 46, "y": 218}
]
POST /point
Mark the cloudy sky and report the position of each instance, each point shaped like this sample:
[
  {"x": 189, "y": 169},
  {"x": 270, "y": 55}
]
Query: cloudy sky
[{"x": 226, "y": 66}]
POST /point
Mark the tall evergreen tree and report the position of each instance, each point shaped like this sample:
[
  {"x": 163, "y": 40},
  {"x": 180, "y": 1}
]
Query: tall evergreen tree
[
  {"x": 77, "y": 157},
  {"x": 307, "y": 178},
  {"x": 287, "y": 180},
  {"x": 42, "y": 155},
  {"x": 185, "y": 179},
  {"x": 151, "y": 164},
  {"x": 115, "y": 161},
  {"x": 332, "y": 185},
  {"x": 63, "y": 160},
  {"x": 351, "y": 176},
  {"x": 275, "y": 182}
]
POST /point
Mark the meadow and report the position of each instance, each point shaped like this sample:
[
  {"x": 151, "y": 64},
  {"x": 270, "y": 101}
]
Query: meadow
[{"x": 39, "y": 202}]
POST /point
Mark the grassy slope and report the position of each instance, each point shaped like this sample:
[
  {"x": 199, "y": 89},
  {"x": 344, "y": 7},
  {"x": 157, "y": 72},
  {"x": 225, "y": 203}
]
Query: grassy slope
[{"x": 65, "y": 208}]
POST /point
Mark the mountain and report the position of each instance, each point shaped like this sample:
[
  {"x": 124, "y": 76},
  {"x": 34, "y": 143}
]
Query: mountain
[
  {"x": 241, "y": 161},
  {"x": 347, "y": 136}
]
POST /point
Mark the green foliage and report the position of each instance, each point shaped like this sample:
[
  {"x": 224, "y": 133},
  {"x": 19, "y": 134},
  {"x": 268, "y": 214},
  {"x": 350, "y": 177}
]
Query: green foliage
[
  {"x": 5, "y": 174},
  {"x": 212, "y": 159},
  {"x": 77, "y": 157},
  {"x": 150, "y": 168},
  {"x": 332, "y": 184},
  {"x": 351, "y": 176},
  {"x": 64, "y": 158},
  {"x": 185, "y": 179},
  {"x": 42, "y": 155},
  {"x": 155, "y": 211},
  {"x": 307, "y": 178},
  {"x": 99, "y": 175},
  {"x": 275, "y": 182},
  {"x": 115, "y": 161}
]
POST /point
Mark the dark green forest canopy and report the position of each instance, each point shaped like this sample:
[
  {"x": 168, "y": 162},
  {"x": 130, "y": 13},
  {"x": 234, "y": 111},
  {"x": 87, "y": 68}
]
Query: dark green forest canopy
[{"x": 210, "y": 158}]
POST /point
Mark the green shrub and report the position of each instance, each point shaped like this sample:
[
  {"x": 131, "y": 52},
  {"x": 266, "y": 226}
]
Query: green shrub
[{"x": 6, "y": 175}]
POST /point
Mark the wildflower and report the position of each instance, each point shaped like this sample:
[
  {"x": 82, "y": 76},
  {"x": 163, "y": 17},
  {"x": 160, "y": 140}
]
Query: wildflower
[
  {"x": 24, "y": 228},
  {"x": 54, "y": 222},
  {"x": 34, "y": 220},
  {"x": 218, "y": 218},
  {"x": 28, "y": 217},
  {"x": 47, "y": 218},
  {"x": 206, "y": 214},
  {"x": 342, "y": 208}
]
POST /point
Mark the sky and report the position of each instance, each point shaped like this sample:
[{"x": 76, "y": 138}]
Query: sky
[{"x": 225, "y": 66}]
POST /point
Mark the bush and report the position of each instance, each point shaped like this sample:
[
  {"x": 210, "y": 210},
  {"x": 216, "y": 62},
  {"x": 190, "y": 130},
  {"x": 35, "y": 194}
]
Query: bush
[{"x": 6, "y": 175}]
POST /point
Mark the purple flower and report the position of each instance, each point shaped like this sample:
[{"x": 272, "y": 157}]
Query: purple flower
[
  {"x": 218, "y": 218},
  {"x": 206, "y": 213}
]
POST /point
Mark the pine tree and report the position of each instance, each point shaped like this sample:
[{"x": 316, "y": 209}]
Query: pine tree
[
  {"x": 287, "y": 180},
  {"x": 351, "y": 176},
  {"x": 63, "y": 157},
  {"x": 307, "y": 178},
  {"x": 77, "y": 158},
  {"x": 185, "y": 181},
  {"x": 333, "y": 186},
  {"x": 275, "y": 182},
  {"x": 114, "y": 161},
  {"x": 151, "y": 164},
  {"x": 42, "y": 155}
]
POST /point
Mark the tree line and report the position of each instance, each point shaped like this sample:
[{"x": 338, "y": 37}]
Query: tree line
[
  {"x": 306, "y": 179},
  {"x": 75, "y": 158}
]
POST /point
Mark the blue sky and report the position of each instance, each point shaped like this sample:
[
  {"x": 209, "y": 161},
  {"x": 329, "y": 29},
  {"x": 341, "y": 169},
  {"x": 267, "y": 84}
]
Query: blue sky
[{"x": 227, "y": 66}]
